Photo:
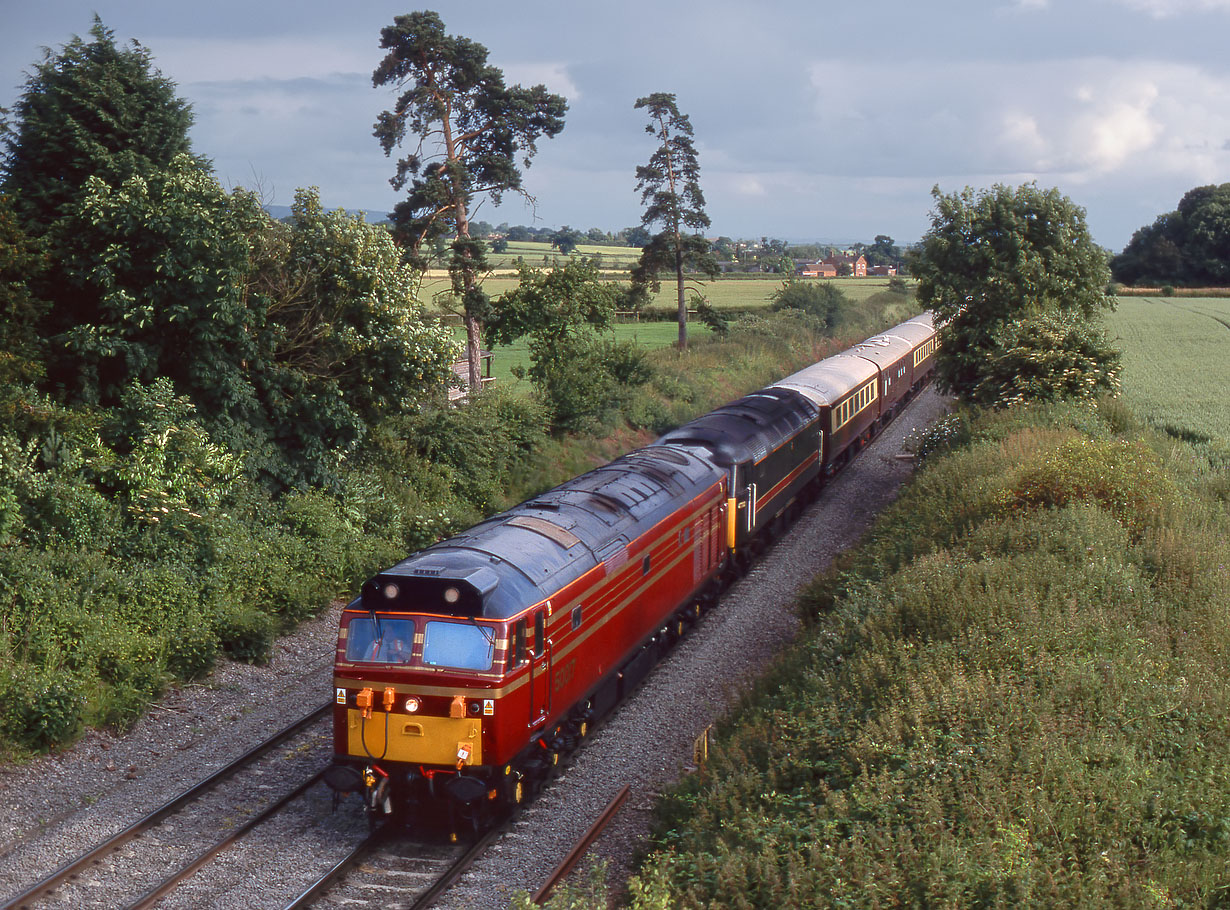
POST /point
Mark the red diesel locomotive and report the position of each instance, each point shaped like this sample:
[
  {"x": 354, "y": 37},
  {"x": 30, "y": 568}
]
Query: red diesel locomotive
[{"x": 464, "y": 672}]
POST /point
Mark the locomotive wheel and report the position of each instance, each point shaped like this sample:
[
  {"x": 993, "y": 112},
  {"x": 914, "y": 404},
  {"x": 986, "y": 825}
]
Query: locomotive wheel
[
  {"x": 680, "y": 627},
  {"x": 583, "y": 729}
]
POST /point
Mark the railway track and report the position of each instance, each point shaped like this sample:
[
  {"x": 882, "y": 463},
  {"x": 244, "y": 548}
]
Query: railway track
[
  {"x": 120, "y": 860},
  {"x": 414, "y": 874}
]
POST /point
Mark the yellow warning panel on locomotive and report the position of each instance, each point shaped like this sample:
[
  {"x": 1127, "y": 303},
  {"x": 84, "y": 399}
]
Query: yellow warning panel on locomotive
[{"x": 414, "y": 738}]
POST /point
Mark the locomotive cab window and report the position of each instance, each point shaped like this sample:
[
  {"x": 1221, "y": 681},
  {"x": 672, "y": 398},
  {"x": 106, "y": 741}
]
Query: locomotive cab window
[
  {"x": 380, "y": 639},
  {"x": 540, "y": 633},
  {"x": 518, "y": 649},
  {"x": 463, "y": 646},
  {"x": 576, "y": 616}
]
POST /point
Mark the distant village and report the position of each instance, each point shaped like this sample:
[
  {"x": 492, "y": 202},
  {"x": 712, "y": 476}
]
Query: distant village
[{"x": 841, "y": 266}]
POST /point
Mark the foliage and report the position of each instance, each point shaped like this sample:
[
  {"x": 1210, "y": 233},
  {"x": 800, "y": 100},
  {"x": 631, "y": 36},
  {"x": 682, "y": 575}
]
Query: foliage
[
  {"x": 1018, "y": 268},
  {"x": 39, "y": 708},
  {"x": 566, "y": 239},
  {"x": 474, "y": 130},
  {"x": 482, "y": 445},
  {"x": 149, "y": 282},
  {"x": 22, "y": 262},
  {"x": 670, "y": 191},
  {"x": 717, "y": 321},
  {"x": 581, "y": 377},
  {"x": 93, "y": 110},
  {"x": 346, "y": 341},
  {"x": 819, "y": 299},
  {"x": 1047, "y": 357},
  {"x": 1189, "y": 246},
  {"x": 1022, "y": 707}
]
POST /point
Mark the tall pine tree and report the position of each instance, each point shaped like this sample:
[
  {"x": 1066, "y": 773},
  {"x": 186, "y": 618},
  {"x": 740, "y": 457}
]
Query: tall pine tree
[
  {"x": 468, "y": 132},
  {"x": 670, "y": 189}
]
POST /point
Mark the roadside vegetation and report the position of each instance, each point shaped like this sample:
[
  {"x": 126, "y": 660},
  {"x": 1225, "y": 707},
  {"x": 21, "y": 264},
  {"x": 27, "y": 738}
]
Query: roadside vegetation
[{"x": 1013, "y": 693}]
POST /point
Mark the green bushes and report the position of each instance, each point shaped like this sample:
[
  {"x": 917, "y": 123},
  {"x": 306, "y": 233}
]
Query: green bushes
[
  {"x": 38, "y": 708},
  {"x": 1013, "y": 694}
]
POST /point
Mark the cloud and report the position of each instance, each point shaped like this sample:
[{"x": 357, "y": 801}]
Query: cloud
[
  {"x": 554, "y": 76},
  {"x": 193, "y": 60},
  {"x": 1166, "y": 9},
  {"x": 1075, "y": 120}
]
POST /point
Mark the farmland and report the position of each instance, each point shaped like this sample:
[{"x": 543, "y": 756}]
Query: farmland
[
  {"x": 737, "y": 294},
  {"x": 1176, "y": 359}
]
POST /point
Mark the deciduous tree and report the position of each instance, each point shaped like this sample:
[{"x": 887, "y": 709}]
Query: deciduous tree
[
  {"x": 1189, "y": 246},
  {"x": 1009, "y": 273},
  {"x": 562, "y": 311},
  {"x": 468, "y": 134},
  {"x": 670, "y": 189}
]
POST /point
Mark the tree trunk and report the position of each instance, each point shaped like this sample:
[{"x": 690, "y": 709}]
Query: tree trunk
[
  {"x": 683, "y": 306},
  {"x": 474, "y": 347}
]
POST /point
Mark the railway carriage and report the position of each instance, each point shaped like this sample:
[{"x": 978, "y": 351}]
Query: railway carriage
[
  {"x": 845, "y": 391},
  {"x": 769, "y": 445}
]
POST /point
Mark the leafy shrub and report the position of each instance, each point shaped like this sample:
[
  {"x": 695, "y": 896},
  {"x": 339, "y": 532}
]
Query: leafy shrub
[
  {"x": 949, "y": 432},
  {"x": 717, "y": 321},
  {"x": 821, "y": 300},
  {"x": 246, "y": 635},
  {"x": 40, "y": 709},
  {"x": 191, "y": 648},
  {"x": 1124, "y": 477}
]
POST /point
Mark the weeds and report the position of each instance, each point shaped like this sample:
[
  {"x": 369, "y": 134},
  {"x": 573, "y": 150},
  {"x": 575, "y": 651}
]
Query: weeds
[{"x": 1013, "y": 694}]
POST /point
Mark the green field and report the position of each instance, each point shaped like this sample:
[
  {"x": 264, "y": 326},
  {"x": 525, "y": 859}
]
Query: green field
[
  {"x": 1176, "y": 361},
  {"x": 647, "y": 334},
  {"x": 724, "y": 293}
]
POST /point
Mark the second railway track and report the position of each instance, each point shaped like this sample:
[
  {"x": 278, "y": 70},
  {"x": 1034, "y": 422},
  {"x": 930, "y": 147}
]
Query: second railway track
[{"x": 148, "y": 858}]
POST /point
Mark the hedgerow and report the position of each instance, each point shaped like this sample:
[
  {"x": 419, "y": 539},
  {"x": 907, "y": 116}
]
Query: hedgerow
[{"x": 1013, "y": 694}]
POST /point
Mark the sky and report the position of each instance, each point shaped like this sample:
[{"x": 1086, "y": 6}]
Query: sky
[{"x": 813, "y": 121}]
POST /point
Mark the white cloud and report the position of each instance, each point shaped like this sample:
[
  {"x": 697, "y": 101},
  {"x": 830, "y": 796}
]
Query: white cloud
[
  {"x": 194, "y": 60},
  {"x": 1165, "y": 9},
  {"x": 747, "y": 185},
  {"x": 554, "y": 76},
  {"x": 1075, "y": 120}
]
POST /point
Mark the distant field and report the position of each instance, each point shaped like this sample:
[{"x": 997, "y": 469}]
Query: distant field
[
  {"x": 648, "y": 334},
  {"x": 1176, "y": 358},
  {"x": 724, "y": 293}
]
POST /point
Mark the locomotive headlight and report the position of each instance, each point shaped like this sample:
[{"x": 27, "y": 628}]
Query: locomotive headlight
[
  {"x": 451, "y": 595},
  {"x": 390, "y": 591},
  {"x": 412, "y": 704}
]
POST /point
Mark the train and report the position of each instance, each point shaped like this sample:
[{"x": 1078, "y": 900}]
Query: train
[{"x": 465, "y": 673}]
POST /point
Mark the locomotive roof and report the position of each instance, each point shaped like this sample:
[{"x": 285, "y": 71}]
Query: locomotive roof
[
  {"x": 830, "y": 380},
  {"x": 746, "y": 429},
  {"x": 520, "y": 557}
]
